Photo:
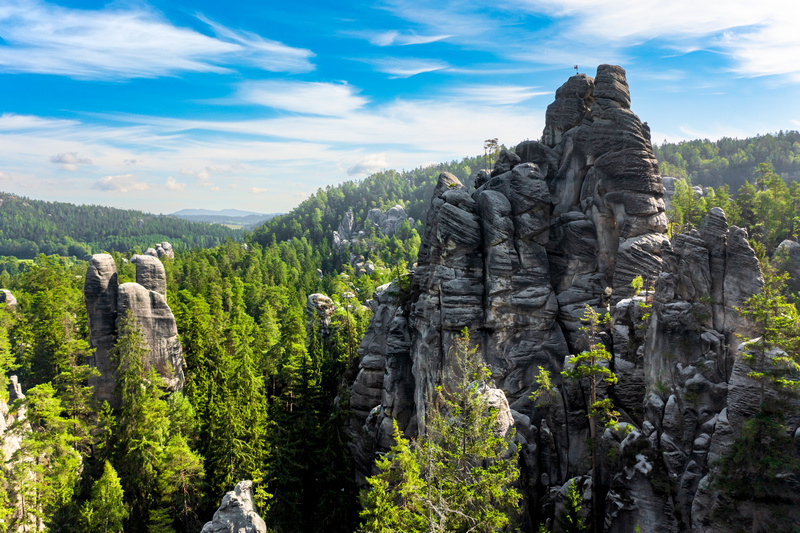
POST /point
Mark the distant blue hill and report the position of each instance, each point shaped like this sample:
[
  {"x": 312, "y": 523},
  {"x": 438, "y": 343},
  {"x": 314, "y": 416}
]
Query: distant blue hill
[
  {"x": 234, "y": 218},
  {"x": 209, "y": 212}
]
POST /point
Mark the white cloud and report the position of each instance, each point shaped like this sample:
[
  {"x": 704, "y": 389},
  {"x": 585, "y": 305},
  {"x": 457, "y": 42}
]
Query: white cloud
[
  {"x": 70, "y": 161},
  {"x": 303, "y": 97},
  {"x": 402, "y": 67},
  {"x": 14, "y": 122},
  {"x": 257, "y": 190},
  {"x": 174, "y": 185},
  {"x": 368, "y": 165},
  {"x": 136, "y": 42},
  {"x": 761, "y": 37},
  {"x": 499, "y": 94},
  {"x": 120, "y": 183},
  {"x": 4, "y": 175},
  {"x": 214, "y": 189},
  {"x": 397, "y": 38}
]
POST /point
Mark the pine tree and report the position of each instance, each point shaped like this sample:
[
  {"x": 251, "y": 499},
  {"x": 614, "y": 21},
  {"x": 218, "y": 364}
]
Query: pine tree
[{"x": 592, "y": 364}]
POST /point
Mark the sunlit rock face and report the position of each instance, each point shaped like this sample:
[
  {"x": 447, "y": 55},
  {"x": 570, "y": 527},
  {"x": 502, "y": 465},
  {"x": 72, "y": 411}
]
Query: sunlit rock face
[
  {"x": 107, "y": 302},
  {"x": 557, "y": 225}
]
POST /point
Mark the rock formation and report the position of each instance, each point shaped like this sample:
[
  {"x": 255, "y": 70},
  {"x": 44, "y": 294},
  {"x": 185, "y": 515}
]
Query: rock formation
[
  {"x": 237, "y": 513},
  {"x": 319, "y": 310},
  {"x": 558, "y": 225},
  {"x": 390, "y": 221},
  {"x": 107, "y": 302},
  {"x": 164, "y": 249},
  {"x": 7, "y": 298}
]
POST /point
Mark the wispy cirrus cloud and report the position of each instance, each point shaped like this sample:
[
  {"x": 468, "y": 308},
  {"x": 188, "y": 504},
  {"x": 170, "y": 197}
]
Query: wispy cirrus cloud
[
  {"x": 405, "y": 67},
  {"x": 123, "y": 43},
  {"x": 397, "y": 38},
  {"x": 316, "y": 98},
  {"x": 499, "y": 94}
]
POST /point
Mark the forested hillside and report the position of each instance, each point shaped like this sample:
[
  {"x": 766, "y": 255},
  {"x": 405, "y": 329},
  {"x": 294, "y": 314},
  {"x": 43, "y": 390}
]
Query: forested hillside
[
  {"x": 29, "y": 227},
  {"x": 258, "y": 402},
  {"x": 730, "y": 161}
]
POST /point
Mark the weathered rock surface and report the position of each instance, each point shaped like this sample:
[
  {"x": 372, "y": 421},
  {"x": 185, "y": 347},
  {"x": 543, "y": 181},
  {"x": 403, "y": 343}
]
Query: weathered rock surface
[
  {"x": 390, "y": 221},
  {"x": 164, "y": 249},
  {"x": 107, "y": 302},
  {"x": 556, "y": 226},
  {"x": 236, "y": 513},
  {"x": 7, "y": 298},
  {"x": 319, "y": 310},
  {"x": 10, "y": 441}
]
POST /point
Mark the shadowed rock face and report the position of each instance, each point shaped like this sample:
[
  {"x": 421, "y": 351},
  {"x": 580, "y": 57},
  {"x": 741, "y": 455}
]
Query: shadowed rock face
[
  {"x": 556, "y": 226},
  {"x": 107, "y": 302}
]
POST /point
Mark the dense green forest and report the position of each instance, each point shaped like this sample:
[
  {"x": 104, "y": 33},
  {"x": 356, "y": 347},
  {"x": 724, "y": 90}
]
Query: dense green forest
[
  {"x": 30, "y": 227},
  {"x": 730, "y": 161}
]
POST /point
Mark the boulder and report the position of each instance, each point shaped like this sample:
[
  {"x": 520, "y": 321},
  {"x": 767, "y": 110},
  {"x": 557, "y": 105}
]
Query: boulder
[{"x": 236, "y": 513}]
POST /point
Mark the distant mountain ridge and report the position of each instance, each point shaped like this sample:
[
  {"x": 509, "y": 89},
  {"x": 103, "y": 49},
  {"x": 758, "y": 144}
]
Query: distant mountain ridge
[
  {"x": 220, "y": 213},
  {"x": 29, "y": 227},
  {"x": 233, "y": 218}
]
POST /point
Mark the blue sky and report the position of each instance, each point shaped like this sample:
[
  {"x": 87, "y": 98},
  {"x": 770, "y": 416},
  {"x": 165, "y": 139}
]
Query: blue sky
[{"x": 255, "y": 105}]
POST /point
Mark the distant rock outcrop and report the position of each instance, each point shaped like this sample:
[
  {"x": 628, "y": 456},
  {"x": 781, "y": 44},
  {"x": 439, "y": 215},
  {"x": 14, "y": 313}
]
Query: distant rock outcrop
[
  {"x": 390, "y": 221},
  {"x": 319, "y": 310},
  {"x": 556, "y": 226},
  {"x": 237, "y": 513},
  {"x": 7, "y": 298},
  {"x": 164, "y": 249},
  {"x": 107, "y": 302}
]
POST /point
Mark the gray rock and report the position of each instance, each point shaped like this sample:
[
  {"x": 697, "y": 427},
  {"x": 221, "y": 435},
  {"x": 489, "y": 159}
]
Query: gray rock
[
  {"x": 787, "y": 259},
  {"x": 107, "y": 302},
  {"x": 319, "y": 310},
  {"x": 150, "y": 273},
  {"x": 100, "y": 292},
  {"x": 7, "y": 298},
  {"x": 236, "y": 513},
  {"x": 155, "y": 319},
  {"x": 164, "y": 249},
  {"x": 556, "y": 226}
]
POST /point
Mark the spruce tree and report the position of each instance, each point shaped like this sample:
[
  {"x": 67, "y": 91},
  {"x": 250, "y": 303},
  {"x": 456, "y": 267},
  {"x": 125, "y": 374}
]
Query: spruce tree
[
  {"x": 105, "y": 512},
  {"x": 459, "y": 475}
]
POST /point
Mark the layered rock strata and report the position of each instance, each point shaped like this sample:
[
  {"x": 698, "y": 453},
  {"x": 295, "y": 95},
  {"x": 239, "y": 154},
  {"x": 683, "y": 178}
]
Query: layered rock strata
[
  {"x": 107, "y": 302},
  {"x": 556, "y": 226}
]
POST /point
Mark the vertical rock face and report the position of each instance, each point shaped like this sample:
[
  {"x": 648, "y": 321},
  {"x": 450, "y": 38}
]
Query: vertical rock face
[
  {"x": 556, "y": 226},
  {"x": 107, "y": 302},
  {"x": 319, "y": 310},
  {"x": 100, "y": 292},
  {"x": 236, "y": 513}
]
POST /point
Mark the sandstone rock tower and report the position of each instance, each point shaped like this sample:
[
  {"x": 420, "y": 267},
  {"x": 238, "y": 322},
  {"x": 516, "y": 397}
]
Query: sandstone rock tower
[{"x": 107, "y": 301}]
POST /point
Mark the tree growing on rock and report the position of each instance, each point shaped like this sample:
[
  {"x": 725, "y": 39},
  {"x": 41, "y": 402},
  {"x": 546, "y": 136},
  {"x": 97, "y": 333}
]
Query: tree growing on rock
[
  {"x": 458, "y": 476},
  {"x": 592, "y": 365}
]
